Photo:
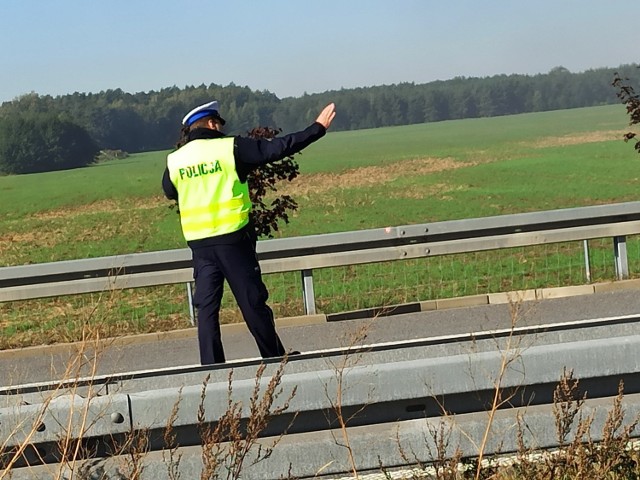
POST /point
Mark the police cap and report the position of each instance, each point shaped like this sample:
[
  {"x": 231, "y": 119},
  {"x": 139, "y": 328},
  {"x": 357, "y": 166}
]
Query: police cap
[{"x": 207, "y": 110}]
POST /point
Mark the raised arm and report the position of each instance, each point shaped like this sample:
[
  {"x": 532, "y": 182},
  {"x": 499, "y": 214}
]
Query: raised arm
[{"x": 251, "y": 153}]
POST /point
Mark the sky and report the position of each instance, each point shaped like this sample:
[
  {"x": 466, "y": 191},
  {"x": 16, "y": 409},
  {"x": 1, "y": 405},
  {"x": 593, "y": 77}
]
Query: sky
[{"x": 289, "y": 48}]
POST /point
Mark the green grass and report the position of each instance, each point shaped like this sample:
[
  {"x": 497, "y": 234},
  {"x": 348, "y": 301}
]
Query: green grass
[
  {"x": 499, "y": 138},
  {"x": 576, "y": 175},
  {"x": 514, "y": 164},
  {"x": 461, "y": 139}
]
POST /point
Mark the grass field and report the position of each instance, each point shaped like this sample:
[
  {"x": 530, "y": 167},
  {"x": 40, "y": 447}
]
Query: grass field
[{"x": 350, "y": 181}]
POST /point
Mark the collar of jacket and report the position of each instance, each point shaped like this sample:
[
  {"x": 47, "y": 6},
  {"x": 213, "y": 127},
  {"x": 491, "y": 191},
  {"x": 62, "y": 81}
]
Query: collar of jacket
[{"x": 204, "y": 133}]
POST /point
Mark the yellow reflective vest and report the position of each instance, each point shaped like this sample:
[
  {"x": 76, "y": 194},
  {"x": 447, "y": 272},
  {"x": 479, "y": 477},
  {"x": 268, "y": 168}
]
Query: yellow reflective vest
[{"x": 211, "y": 198}]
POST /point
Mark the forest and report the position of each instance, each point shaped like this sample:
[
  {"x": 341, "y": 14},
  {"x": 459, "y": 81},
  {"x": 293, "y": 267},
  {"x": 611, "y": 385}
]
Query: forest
[{"x": 114, "y": 120}]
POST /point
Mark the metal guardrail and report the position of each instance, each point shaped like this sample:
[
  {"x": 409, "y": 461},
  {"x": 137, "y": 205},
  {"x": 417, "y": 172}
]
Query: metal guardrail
[
  {"x": 306, "y": 253},
  {"x": 392, "y": 395}
]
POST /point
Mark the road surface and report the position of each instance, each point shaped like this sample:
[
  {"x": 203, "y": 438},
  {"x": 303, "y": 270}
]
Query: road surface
[{"x": 172, "y": 349}]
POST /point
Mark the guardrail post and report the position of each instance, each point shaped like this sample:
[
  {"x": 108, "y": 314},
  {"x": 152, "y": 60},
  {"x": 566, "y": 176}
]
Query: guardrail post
[
  {"x": 308, "y": 295},
  {"x": 587, "y": 264},
  {"x": 620, "y": 253},
  {"x": 192, "y": 315}
]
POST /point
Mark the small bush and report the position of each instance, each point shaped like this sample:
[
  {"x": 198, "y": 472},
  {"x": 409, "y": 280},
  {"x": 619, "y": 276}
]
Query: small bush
[{"x": 108, "y": 155}]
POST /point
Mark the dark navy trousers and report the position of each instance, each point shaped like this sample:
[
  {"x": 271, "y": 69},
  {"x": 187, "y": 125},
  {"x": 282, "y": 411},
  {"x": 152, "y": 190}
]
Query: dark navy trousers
[{"x": 238, "y": 264}]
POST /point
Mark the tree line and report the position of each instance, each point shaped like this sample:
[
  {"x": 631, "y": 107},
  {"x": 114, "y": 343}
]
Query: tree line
[{"x": 41, "y": 132}]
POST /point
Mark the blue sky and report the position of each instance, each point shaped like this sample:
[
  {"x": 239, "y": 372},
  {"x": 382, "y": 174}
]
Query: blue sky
[{"x": 291, "y": 47}]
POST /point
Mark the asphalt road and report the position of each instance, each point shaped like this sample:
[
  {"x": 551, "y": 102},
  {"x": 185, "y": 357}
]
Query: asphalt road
[{"x": 40, "y": 364}]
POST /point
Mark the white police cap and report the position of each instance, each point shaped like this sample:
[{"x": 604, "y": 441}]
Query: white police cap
[{"x": 206, "y": 110}]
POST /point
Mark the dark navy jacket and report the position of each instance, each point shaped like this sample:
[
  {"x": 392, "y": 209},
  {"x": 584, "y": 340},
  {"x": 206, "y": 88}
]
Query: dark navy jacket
[{"x": 249, "y": 154}]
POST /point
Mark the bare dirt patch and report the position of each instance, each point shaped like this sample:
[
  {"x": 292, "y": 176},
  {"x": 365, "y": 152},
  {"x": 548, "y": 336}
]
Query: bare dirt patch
[
  {"x": 368, "y": 176},
  {"x": 419, "y": 192},
  {"x": 10, "y": 240},
  {"x": 103, "y": 206},
  {"x": 577, "y": 139},
  {"x": 67, "y": 225}
]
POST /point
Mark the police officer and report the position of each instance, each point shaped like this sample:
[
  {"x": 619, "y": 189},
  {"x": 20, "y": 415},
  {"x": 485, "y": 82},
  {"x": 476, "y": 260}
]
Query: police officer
[{"x": 207, "y": 175}]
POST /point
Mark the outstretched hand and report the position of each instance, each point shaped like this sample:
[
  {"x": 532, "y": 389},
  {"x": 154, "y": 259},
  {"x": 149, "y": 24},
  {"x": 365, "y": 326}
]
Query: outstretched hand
[{"x": 326, "y": 115}]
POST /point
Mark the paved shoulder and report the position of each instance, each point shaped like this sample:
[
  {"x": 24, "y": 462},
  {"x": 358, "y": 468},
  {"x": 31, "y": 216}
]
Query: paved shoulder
[{"x": 179, "y": 348}]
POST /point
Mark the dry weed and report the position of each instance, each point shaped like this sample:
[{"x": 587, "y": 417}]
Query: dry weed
[
  {"x": 351, "y": 358},
  {"x": 230, "y": 442}
]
